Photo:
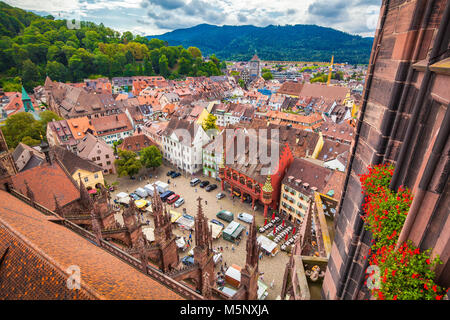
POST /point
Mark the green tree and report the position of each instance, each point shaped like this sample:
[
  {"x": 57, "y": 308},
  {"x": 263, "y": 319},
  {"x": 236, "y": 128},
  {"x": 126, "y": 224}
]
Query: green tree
[
  {"x": 30, "y": 141},
  {"x": 209, "y": 122},
  {"x": 30, "y": 75},
  {"x": 195, "y": 52},
  {"x": 163, "y": 66},
  {"x": 185, "y": 66},
  {"x": 46, "y": 117},
  {"x": 128, "y": 164},
  {"x": 267, "y": 76},
  {"x": 19, "y": 126},
  {"x": 116, "y": 144},
  {"x": 56, "y": 71},
  {"x": 151, "y": 157}
]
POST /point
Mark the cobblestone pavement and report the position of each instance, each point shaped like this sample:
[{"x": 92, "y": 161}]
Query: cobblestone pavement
[{"x": 272, "y": 267}]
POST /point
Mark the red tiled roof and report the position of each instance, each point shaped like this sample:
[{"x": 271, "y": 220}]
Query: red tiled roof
[
  {"x": 136, "y": 143},
  {"x": 40, "y": 252},
  {"x": 45, "y": 181}
]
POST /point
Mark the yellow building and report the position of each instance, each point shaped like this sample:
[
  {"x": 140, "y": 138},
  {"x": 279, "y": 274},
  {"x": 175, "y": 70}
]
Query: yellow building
[
  {"x": 90, "y": 173},
  {"x": 90, "y": 179}
]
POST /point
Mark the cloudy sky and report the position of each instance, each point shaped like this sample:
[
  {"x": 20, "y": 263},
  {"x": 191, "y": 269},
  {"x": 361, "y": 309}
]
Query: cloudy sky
[{"x": 152, "y": 17}]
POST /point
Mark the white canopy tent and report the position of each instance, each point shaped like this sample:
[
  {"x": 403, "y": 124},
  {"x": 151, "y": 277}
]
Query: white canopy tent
[
  {"x": 267, "y": 244},
  {"x": 125, "y": 200},
  {"x": 121, "y": 195}
]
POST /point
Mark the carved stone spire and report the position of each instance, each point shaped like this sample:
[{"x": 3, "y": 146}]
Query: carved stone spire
[
  {"x": 252, "y": 247},
  {"x": 202, "y": 231},
  {"x": 86, "y": 199},
  {"x": 157, "y": 206},
  {"x": 58, "y": 208},
  {"x": 206, "y": 287},
  {"x": 96, "y": 228},
  {"x": 29, "y": 193}
]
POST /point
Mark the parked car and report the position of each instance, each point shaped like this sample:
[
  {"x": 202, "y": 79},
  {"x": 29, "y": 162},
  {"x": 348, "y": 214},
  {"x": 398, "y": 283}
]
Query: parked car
[
  {"x": 218, "y": 223},
  {"x": 134, "y": 196},
  {"x": 173, "y": 198},
  {"x": 195, "y": 182},
  {"x": 211, "y": 187},
  {"x": 220, "y": 196},
  {"x": 225, "y": 215},
  {"x": 179, "y": 202},
  {"x": 175, "y": 174},
  {"x": 166, "y": 195},
  {"x": 204, "y": 183},
  {"x": 246, "y": 217},
  {"x": 188, "y": 260},
  {"x": 169, "y": 173}
]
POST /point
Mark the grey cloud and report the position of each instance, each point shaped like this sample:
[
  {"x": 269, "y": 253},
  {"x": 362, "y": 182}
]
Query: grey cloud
[
  {"x": 328, "y": 9},
  {"x": 168, "y": 4},
  {"x": 290, "y": 12},
  {"x": 241, "y": 17}
]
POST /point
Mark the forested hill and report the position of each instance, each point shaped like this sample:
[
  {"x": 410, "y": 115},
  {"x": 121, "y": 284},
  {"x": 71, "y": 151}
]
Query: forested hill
[
  {"x": 32, "y": 47},
  {"x": 284, "y": 43}
]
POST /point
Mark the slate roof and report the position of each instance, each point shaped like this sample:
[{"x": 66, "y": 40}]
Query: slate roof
[
  {"x": 40, "y": 252},
  {"x": 72, "y": 162}
]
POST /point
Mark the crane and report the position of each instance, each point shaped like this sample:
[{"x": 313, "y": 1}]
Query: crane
[{"x": 330, "y": 71}]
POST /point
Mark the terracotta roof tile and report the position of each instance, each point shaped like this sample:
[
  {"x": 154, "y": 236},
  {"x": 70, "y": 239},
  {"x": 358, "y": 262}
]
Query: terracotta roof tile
[
  {"x": 40, "y": 252},
  {"x": 47, "y": 180}
]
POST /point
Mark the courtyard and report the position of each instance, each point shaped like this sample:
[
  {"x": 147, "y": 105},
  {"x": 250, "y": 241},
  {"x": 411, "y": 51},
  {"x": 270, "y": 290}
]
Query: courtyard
[{"x": 272, "y": 267}]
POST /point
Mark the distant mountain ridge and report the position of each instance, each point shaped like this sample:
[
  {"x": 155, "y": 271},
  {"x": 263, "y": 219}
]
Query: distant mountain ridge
[{"x": 283, "y": 43}]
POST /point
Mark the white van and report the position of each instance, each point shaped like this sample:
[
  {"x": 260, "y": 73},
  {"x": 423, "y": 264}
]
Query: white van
[
  {"x": 162, "y": 186},
  {"x": 246, "y": 217},
  {"x": 150, "y": 189},
  {"x": 141, "y": 192}
]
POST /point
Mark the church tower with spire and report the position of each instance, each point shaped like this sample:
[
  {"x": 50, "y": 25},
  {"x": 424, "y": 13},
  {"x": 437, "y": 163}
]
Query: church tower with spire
[
  {"x": 164, "y": 237},
  {"x": 203, "y": 253},
  {"x": 249, "y": 275}
]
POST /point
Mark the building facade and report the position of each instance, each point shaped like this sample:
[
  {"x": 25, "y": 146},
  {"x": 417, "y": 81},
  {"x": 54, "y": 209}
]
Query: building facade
[
  {"x": 404, "y": 120},
  {"x": 183, "y": 142}
]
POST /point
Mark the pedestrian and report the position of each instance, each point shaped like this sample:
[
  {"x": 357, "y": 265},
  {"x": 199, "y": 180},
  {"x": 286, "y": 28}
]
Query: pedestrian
[
  {"x": 226, "y": 247},
  {"x": 206, "y": 202},
  {"x": 174, "y": 184},
  {"x": 195, "y": 189},
  {"x": 272, "y": 283},
  {"x": 261, "y": 277},
  {"x": 260, "y": 255},
  {"x": 232, "y": 248}
]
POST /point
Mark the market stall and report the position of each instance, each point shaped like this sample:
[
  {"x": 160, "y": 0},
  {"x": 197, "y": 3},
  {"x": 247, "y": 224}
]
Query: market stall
[
  {"x": 216, "y": 230},
  {"x": 174, "y": 216},
  {"x": 185, "y": 223},
  {"x": 267, "y": 245},
  {"x": 233, "y": 231}
]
